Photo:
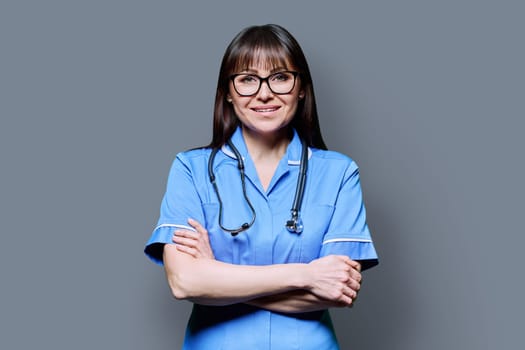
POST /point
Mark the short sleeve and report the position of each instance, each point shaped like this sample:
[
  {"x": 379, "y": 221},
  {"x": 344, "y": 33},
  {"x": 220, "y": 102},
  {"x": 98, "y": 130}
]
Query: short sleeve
[
  {"x": 180, "y": 202},
  {"x": 348, "y": 232}
]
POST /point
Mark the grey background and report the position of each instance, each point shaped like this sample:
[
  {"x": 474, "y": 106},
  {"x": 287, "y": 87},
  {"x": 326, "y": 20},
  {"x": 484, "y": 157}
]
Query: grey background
[{"x": 97, "y": 97}]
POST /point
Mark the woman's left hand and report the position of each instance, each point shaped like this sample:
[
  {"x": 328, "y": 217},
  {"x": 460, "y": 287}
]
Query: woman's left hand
[{"x": 195, "y": 243}]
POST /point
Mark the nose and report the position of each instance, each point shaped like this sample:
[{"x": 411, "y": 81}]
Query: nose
[{"x": 264, "y": 91}]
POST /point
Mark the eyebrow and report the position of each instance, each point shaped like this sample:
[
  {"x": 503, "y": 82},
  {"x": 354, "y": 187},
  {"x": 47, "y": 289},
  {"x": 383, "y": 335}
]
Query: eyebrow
[{"x": 274, "y": 70}]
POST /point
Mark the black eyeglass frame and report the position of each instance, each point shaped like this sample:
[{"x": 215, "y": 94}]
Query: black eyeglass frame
[{"x": 265, "y": 79}]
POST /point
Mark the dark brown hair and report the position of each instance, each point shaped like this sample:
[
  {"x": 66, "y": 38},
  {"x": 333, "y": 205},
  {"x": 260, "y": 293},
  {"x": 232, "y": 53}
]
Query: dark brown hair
[{"x": 273, "y": 46}]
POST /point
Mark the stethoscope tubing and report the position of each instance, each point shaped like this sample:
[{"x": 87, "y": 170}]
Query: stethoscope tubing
[{"x": 293, "y": 225}]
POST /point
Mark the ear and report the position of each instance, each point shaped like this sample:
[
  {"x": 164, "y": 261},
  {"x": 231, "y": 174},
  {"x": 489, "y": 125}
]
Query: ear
[{"x": 229, "y": 98}]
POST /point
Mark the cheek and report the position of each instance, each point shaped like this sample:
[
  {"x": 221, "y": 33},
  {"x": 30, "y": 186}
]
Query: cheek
[
  {"x": 241, "y": 110},
  {"x": 238, "y": 106},
  {"x": 293, "y": 104}
]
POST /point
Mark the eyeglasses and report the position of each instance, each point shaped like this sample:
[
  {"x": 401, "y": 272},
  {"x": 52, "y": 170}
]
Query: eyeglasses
[{"x": 280, "y": 83}]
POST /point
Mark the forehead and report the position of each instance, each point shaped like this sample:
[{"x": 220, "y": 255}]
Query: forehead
[{"x": 267, "y": 59}]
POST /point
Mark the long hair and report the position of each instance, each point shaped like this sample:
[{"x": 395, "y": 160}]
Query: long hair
[{"x": 272, "y": 46}]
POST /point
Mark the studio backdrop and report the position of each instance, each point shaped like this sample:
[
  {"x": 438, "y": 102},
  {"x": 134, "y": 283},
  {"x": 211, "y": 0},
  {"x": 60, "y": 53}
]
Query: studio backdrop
[{"x": 97, "y": 98}]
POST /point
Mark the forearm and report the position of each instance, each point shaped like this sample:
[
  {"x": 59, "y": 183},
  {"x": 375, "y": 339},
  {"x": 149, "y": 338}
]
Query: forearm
[
  {"x": 294, "y": 301},
  {"x": 211, "y": 282}
]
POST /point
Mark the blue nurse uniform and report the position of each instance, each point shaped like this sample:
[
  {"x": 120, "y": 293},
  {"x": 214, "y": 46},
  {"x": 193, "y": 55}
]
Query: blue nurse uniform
[{"x": 334, "y": 223}]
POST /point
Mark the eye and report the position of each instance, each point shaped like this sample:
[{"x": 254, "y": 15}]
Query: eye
[
  {"x": 280, "y": 76},
  {"x": 246, "y": 79}
]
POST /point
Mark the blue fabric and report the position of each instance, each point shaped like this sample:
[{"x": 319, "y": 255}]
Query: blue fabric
[{"x": 334, "y": 223}]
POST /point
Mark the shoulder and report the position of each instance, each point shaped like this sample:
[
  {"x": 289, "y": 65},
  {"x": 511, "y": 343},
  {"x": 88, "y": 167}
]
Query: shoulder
[
  {"x": 191, "y": 162},
  {"x": 194, "y": 153},
  {"x": 193, "y": 156},
  {"x": 332, "y": 159}
]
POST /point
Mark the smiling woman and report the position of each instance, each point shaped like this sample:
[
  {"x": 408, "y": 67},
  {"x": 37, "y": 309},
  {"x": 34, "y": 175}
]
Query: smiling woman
[{"x": 259, "y": 280}]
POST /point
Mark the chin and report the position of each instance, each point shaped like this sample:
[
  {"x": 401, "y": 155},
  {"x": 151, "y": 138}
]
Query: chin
[{"x": 267, "y": 129}]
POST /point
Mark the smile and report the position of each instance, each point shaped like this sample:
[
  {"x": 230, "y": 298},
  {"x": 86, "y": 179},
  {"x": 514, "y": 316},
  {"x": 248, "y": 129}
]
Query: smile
[{"x": 265, "y": 109}]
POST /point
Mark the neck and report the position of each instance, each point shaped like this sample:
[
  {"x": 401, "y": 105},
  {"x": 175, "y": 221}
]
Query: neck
[{"x": 272, "y": 146}]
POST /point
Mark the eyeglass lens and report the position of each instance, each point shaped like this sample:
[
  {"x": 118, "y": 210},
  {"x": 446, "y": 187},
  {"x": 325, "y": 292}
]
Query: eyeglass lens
[{"x": 249, "y": 84}]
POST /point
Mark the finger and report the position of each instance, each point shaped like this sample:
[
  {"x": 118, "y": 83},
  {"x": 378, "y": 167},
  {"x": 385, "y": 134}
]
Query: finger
[
  {"x": 197, "y": 226},
  {"x": 354, "y": 299},
  {"x": 347, "y": 301},
  {"x": 188, "y": 242},
  {"x": 355, "y": 264},
  {"x": 200, "y": 229},
  {"x": 187, "y": 250},
  {"x": 349, "y": 296},
  {"x": 343, "y": 294},
  {"x": 354, "y": 285},
  {"x": 344, "y": 299},
  {"x": 356, "y": 275},
  {"x": 344, "y": 258},
  {"x": 186, "y": 233},
  {"x": 352, "y": 292},
  {"x": 353, "y": 302}
]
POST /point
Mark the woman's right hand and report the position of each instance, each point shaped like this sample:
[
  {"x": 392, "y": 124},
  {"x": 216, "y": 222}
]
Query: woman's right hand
[
  {"x": 336, "y": 278},
  {"x": 195, "y": 243}
]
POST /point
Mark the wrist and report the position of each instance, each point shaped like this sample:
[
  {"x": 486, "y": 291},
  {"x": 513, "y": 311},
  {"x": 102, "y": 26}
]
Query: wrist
[{"x": 302, "y": 276}]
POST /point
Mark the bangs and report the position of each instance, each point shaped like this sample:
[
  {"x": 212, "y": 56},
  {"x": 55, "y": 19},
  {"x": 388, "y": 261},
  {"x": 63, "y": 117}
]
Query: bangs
[{"x": 268, "y": 57}]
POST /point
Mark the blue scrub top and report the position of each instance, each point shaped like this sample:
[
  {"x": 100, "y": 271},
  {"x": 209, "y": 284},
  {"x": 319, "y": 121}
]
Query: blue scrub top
[{"x": 334, "y": 223}]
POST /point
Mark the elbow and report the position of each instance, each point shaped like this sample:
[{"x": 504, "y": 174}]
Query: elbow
[
  {"x": 180, "y": 287},
  {"x": 179, "y": 293},
  {"x": 182, "y": 274}
]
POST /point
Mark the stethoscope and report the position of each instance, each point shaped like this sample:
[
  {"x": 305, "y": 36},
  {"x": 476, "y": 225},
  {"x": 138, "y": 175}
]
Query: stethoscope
[{"x": 295, "y": 224}]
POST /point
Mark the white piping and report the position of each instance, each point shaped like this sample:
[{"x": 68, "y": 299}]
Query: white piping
[
  {"x": 360, "y": 240},
  {"x": 229, "y": 153},
  {"x": 298, "y": 162},
  {"x": 184, "y": 227}
]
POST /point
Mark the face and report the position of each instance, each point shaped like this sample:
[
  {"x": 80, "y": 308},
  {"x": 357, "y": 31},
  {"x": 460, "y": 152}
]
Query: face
[{"x": 265, "y": 113}]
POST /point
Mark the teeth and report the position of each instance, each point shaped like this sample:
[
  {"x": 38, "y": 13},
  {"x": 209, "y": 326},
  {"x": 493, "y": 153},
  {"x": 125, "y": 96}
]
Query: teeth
[{"x": 266, "y": 110}]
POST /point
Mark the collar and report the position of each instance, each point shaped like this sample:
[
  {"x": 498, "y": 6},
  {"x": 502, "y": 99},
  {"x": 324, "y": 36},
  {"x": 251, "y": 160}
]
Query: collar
[{"x": 293, "y": 151}]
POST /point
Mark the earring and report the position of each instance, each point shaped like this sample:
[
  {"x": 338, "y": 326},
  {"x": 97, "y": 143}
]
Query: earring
[{"x": 229, "y": 100}]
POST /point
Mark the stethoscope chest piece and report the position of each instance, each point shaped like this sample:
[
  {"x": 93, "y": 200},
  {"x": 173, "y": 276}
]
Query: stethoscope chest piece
[{"x": 295, "y": 225}]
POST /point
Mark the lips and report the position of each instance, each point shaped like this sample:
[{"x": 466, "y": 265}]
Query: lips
[{"x": 265, "y": 109}]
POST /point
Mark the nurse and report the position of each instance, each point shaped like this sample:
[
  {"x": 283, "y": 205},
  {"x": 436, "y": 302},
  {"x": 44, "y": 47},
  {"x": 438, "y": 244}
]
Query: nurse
[{"x": 262, "y": 251}]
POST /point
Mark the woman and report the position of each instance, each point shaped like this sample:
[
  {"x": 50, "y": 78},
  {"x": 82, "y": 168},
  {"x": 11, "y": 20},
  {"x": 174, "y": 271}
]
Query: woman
[{"x": 262, "y": 276}]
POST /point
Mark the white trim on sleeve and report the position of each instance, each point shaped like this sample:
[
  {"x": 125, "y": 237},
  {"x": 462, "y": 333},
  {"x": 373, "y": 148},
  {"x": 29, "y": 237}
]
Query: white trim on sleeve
[
  {"x": 360, "y": 240},
  {"x": 184, "y": 227}
]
